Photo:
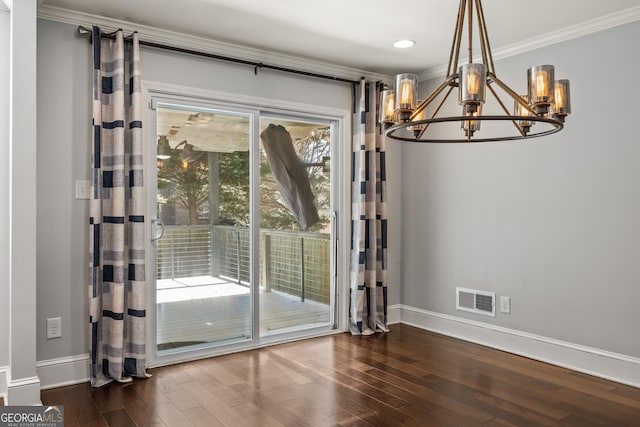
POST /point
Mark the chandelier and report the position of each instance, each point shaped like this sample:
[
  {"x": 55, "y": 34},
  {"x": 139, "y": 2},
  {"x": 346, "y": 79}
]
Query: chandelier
[{"x": 539, "y": 112}]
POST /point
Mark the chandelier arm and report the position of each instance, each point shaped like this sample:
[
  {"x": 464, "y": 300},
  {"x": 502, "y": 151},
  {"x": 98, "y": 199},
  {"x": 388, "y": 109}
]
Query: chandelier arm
[
  {"x": 437, "y": 110},
  {"x": 513, "y": 94},
  {"x": 506, "y": 111},
  {"x": 442, "y": 102},
  {"x": 470, "y": 31},
  {"x": 458, "y": 37},
  {"x": 485, "y": 35},
  {"x": 431, "y": 97},
  {"x": 454, "y": 42}
]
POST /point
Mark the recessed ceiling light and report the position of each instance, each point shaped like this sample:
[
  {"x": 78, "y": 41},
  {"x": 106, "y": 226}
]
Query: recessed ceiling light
[{"x": 401, "y": 44}]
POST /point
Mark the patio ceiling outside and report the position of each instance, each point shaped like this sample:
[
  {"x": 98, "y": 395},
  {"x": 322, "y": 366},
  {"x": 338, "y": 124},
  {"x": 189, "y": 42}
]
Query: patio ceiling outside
[{"x": 223, "y": 133}]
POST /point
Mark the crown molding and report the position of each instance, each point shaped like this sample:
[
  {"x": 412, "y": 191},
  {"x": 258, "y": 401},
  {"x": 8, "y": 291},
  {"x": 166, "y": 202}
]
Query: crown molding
[
  {"x": 171, "y": 38},
  {"x": 4, "y": 5},
  {"x": 588, "y": 27}
]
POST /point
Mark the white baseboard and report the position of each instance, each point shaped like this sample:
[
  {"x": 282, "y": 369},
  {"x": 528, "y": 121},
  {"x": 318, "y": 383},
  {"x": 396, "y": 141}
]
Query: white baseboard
[
  {"x": 54, "y": 373},
  {"x": 393, "y": 314},
  {"x": 601, "y": 363},
  {"x": 612, "y": 366},
  {"x": 23, "y": 391},
  {"x": 3, "y": 382},
  {"x": 63, "y": 371}
]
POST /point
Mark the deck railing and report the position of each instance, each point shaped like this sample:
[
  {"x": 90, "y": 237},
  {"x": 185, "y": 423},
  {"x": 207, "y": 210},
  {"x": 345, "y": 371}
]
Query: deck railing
[{"x": 294, "y": 262}]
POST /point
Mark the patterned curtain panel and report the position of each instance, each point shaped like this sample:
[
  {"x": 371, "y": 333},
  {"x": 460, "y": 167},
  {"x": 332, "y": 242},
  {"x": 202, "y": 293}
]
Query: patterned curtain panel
[
  {"x": 368, "y": 299},
  {"x": 117, "y": 294}
]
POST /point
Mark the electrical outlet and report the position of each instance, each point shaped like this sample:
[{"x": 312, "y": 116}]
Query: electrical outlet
[
  {"x": 54, "y": 327},
  {"x": 505, "y": 305}
]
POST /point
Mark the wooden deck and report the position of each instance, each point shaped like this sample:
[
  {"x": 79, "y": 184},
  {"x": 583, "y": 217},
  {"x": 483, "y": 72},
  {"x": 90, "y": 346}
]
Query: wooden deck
[{"x": 206, "y": 309}]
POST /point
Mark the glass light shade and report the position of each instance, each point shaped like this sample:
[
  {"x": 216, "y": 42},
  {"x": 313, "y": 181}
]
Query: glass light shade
[
  {"x": 520, "y": 110},
  {"x": 562, "y": 98},
  {"x": 387, "y": 105},
  {"x": 470, "y": 126},
  {"x": 473, "y": 84},
  {"x": 188, "y": 155},
  {"x": 541, "y": 83},
  {"x": 163, "y": 148},
  {"x": 406, "y": 93},
  {"x": 417, "y": 128}
]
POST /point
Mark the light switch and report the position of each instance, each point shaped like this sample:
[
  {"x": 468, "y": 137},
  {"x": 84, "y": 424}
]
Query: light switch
[{"x": 82, "y": 189}]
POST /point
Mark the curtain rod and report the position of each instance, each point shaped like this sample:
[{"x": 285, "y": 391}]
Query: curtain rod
[{"x": 86, "y": 32}]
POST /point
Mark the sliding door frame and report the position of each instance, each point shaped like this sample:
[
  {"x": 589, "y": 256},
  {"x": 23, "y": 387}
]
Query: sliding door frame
[{"x": 340, "y": 122}]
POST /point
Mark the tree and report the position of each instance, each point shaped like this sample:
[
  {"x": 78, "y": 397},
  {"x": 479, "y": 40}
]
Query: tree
[
  {"x": 234, "y": 188},
  {"x": 186, "y": 188},
  {"x": 184, "y": 185}
]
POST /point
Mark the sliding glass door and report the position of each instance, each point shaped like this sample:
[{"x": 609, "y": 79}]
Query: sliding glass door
[
  {"x": 295, "y": 225},
  {"x": 203, "y": 197},
  {"x": 243, "y": 241}
]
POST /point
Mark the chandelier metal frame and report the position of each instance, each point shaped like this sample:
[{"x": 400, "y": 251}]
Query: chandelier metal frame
[{"x": 411, "y": 120}]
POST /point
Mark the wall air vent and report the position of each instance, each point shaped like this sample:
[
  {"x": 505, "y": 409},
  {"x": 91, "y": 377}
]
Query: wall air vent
[{"x": 474, "y": 301}]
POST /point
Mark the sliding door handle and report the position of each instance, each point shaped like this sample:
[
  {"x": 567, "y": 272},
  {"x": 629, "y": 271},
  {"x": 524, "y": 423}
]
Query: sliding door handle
[{"x": 159, "y": 223}]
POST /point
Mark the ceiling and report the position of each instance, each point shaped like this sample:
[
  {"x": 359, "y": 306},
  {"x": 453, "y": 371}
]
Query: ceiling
[
  {"x": 359, "y": 33},
  {"x": 330, "y": 34}
]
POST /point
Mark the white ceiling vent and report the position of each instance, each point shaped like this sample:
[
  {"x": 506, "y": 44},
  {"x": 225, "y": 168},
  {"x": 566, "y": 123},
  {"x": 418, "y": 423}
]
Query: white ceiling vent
[{"x": 474, "y": 301}]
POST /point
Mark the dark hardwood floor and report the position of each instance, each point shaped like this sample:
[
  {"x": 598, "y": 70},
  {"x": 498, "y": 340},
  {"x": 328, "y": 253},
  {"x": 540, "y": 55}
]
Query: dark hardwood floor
[{"x": 407, "y": 377}]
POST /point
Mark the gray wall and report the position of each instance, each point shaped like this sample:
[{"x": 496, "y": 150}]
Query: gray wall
[
  {"x": 551, "y": 223},
  {"x": 63, "y": 153},
  {"x": 4, "y": 188},
  {"x": 64, "y": 117},
  {"x": 554, "y": 222}
]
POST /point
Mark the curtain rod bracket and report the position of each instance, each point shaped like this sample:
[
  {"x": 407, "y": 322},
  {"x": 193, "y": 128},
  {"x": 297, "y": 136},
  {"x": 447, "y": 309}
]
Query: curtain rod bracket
[{"x": 83, "y": 31}]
